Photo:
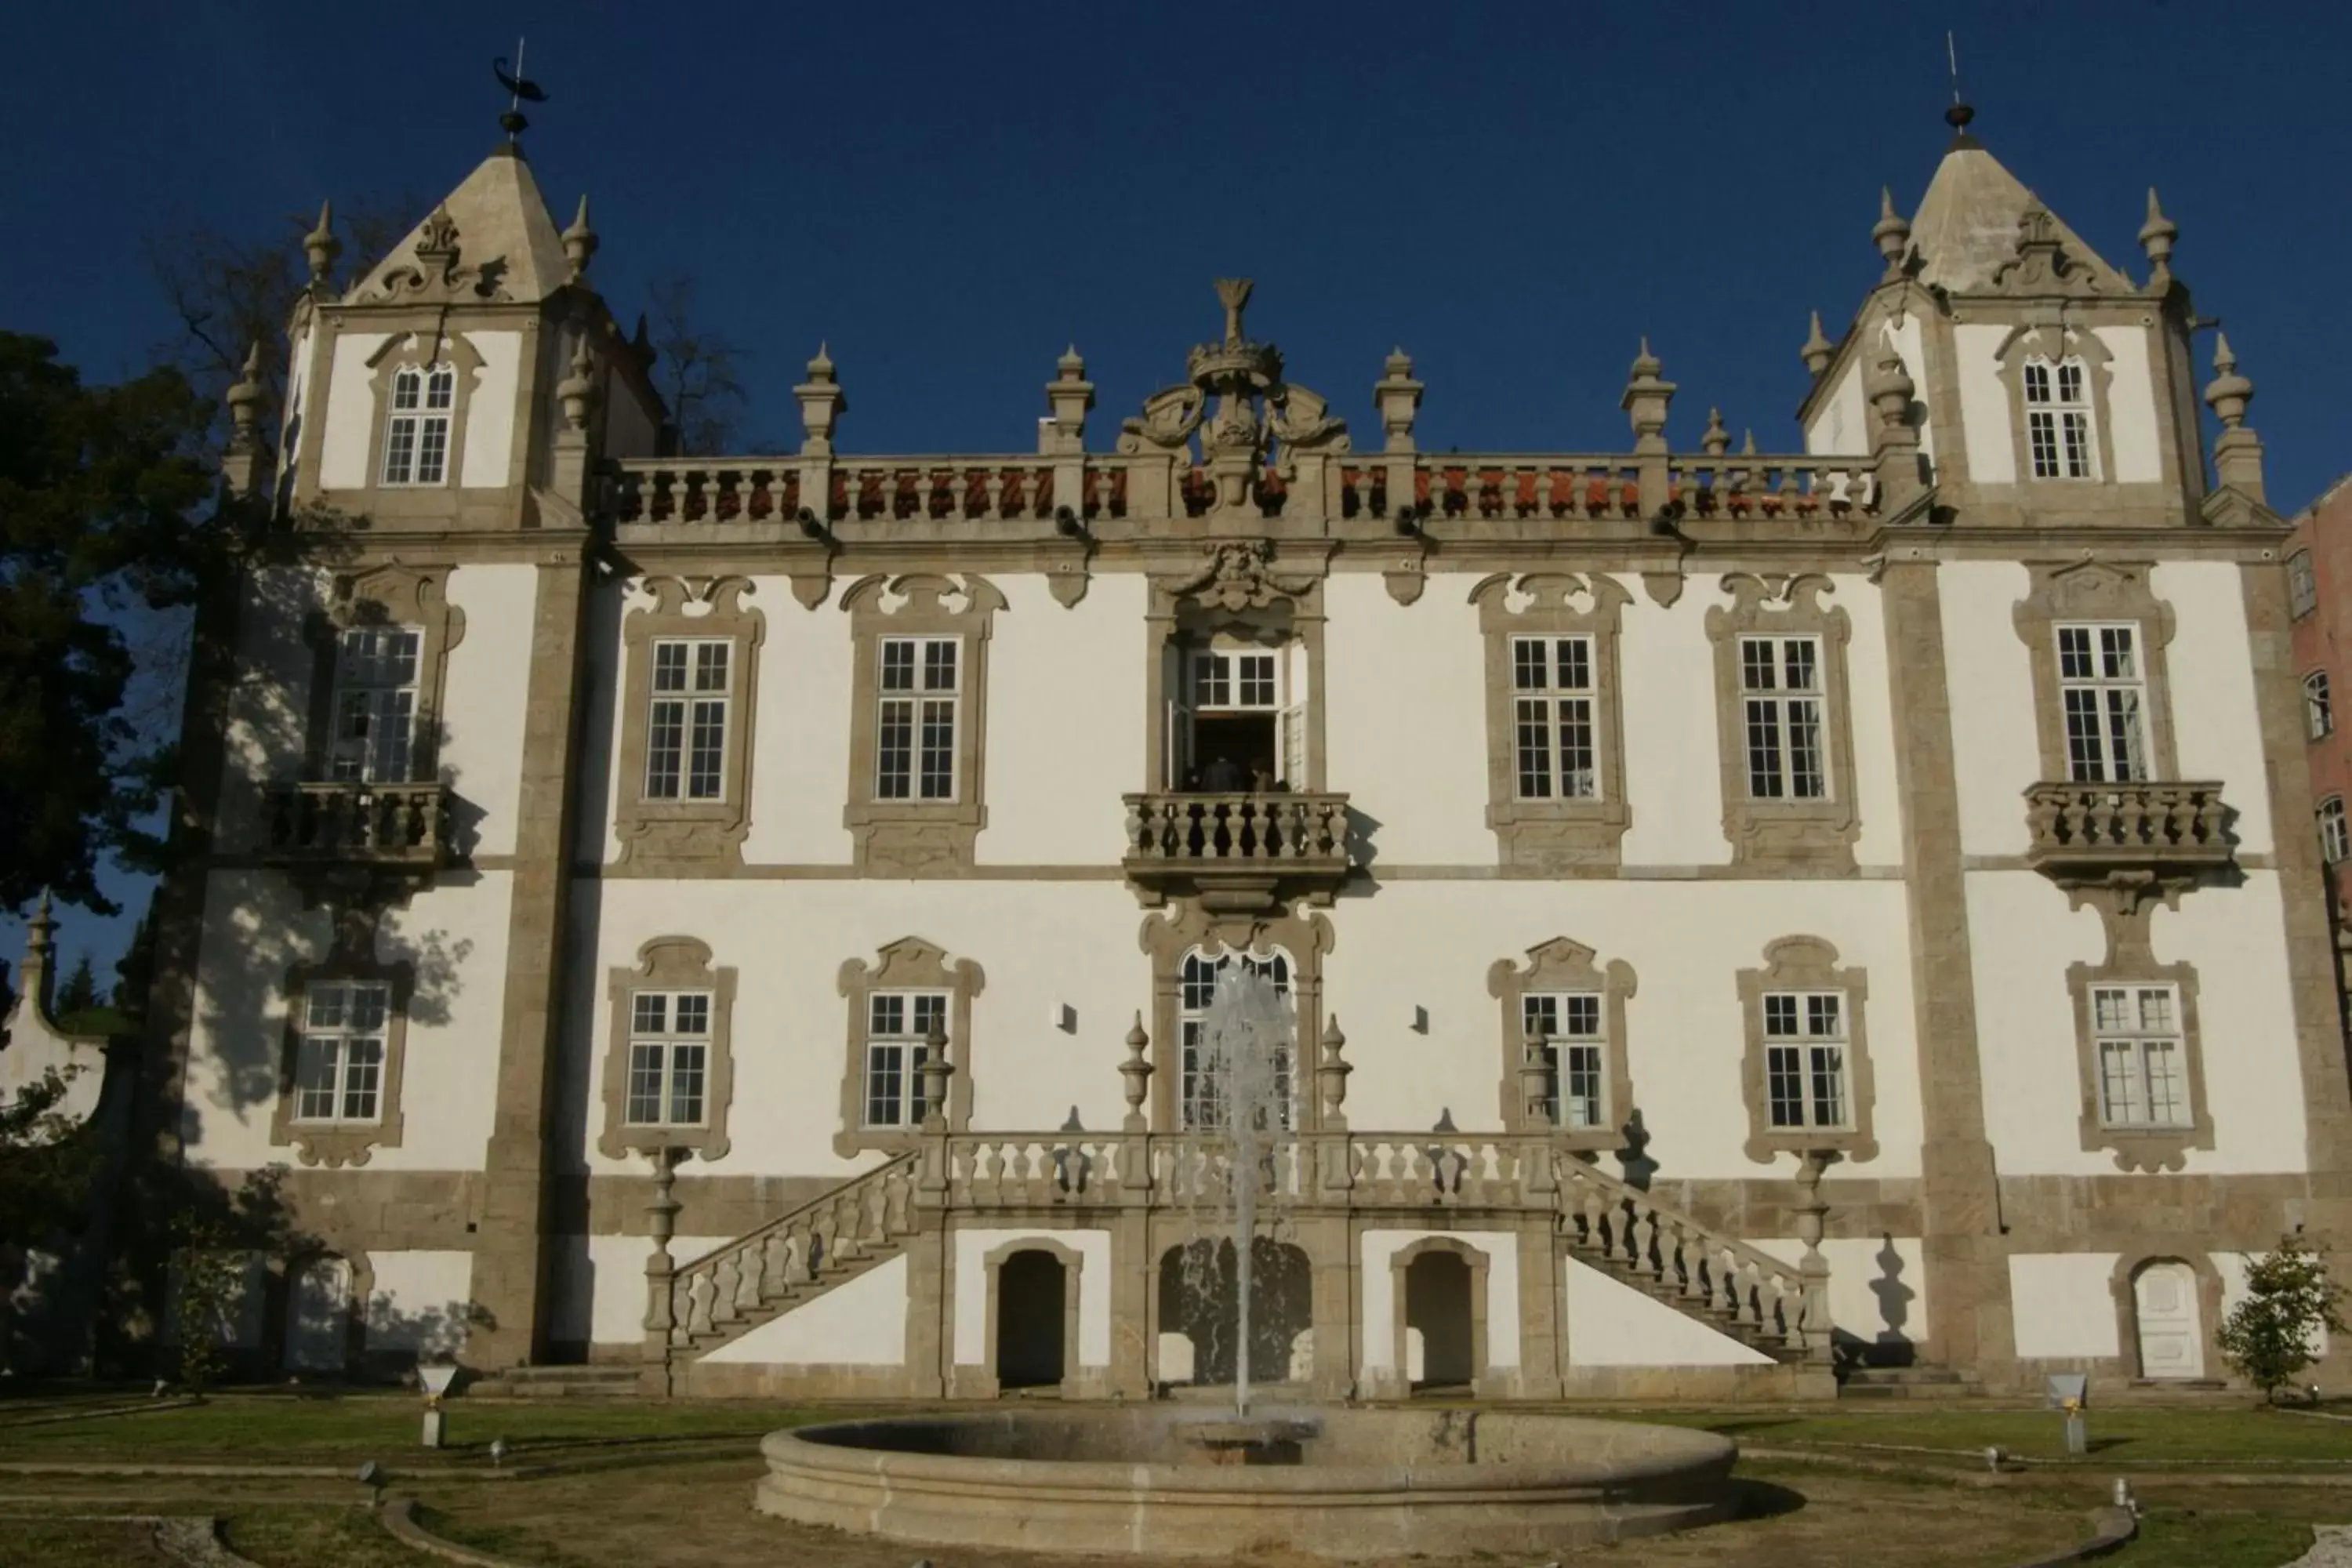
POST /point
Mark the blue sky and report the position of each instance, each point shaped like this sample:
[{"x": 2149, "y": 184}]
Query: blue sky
[{"x": 948, "y": 195}]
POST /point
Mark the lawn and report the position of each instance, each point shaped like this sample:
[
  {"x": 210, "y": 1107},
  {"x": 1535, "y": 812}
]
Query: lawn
[{"x": 2132, "y": 1438}]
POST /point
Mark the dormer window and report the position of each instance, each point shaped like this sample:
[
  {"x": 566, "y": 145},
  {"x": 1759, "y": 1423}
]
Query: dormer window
[
  {"x": 416, "y": 430},
  {"x": 2058, "y": 419}
]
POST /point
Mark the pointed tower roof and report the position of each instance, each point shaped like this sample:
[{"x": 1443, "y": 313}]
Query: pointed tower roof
[
  {"x": 500, "y": 218},
  {"x": 1966, "y": 224}
]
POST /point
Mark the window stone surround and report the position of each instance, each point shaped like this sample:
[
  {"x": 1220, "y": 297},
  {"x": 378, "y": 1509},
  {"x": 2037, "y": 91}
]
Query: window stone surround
[
  {"x": 1808, "y": 964},
  {"x": 909, "y": 964},
  {"x": 2126, "y": 907},
  {"x": 1546, "y": 835},
  {"x": 1475, "y": 1258},
  {"x": 669, "y": 964},
  {"x": 915, "y": 838},
  {"x": 1238, "y": 592},
  {"x": 353, "y": 957},
  {"x": 2033, "y": 340},
  {"x": 420, "y": 349},
  {"x": 1166, "y": 936},
  {"x": 1074, "y": 1262},
  {"x": 2121, "y": 1283},
  {"x": 2092, "y": 590},
  {"x": 1792, "y": 837},
  {"x": 688, "y": 837},
  {"x": 395, "y": 594},
  {"x": 1564, "y": 966}
]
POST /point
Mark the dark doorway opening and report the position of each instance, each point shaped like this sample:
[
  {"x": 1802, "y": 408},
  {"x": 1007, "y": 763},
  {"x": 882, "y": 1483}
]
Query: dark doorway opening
[{"x": 1031, "y": 1295}]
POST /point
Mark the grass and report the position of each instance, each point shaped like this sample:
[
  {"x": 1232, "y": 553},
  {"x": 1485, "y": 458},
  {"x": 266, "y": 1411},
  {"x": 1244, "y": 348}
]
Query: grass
[
  {"x": 2202, "y": 1438},
  {"x": 2208, "y": 1538}
]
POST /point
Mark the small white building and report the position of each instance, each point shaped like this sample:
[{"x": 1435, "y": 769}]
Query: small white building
[{"x": 742, "y": 920}]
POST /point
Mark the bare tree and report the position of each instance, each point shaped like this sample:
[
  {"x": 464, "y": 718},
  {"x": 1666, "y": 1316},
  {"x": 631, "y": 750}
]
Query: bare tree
[{"x": 699, "y": 372}]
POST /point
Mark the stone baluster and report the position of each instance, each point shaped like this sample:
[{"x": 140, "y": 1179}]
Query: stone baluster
[
  {"x": 1812, "y": 1210},
  {"x": 661, "y": 1317},
  {"x": 775, "y": 1265},
  {"x": 747, "y": 1282},
  {"x": 723, "y": 1277},
  {"x": 699, "y": 1292},
  {"x": 1746, "y": 1293}
]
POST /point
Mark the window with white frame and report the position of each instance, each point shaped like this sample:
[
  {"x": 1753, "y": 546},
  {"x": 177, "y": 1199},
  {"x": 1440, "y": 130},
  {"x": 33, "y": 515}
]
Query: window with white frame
[
  {"x": 2334, "y": 835},
  {"x": 2318, "y": 706},
  {"x": 2302, "y": 586},
  {"x": 2143, "y": 1079},
  {"x": 2102, "y": 694},
  {"x": 920, "y": 690},
  {"x": 897, "y": 1026},
  {"x": 685, "y": 733},
  {"x": 2058, "y": 419},
  {"x": 1552, "y": 722},
  {"x": 1566, "y": 1026},
  {"x": 339, "y": 1062},
  {"x": 1780, "y": 684},
  {"x": 1805, "y": 1059},
  {"x": 1201, "y": 1097},
  {"x": 375, "y": 703},
  {"x": 669, "y": 1057},
  {"x": 1226, "y": 679},
  {"x": 416, "y": 428}
]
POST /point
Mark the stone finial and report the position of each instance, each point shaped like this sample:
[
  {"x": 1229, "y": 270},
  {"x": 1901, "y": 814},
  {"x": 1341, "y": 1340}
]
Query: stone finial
[
  {"x": 1817, "y": 349},
  {"x": 320, "y": 246},
  {"x": 1234, "y": 294},
  {"x": 243, "y": 401},
  {"x": 823, "y": 403},
  {"x": 1890, "y": 233},
  {"x": 2237, "y": 451},
  {"x": 1645, "y": 401},
  {"x": 2229, "y": 393},
  {"x": 1398, "y": 397},
  {"x": 1890, "y": 388},
  {"x": 580, "y": 242},
  {"x": 1069, "y": 394},
  {"x": 1137, "y": 1071},
  {"x": 935, "y": 1072},
  {"x": 1332, "y": 1069},
  {"x": 1717, "y": 440},
  {"x": 41, "y": 956},
  {"x": 1748, "y": 444},
  {"x": 2156, "y": 237},
  {"x": 577, "y": 391}
]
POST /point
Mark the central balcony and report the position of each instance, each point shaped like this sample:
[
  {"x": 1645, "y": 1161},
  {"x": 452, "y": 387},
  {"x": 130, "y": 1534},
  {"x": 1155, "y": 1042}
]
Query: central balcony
[
  {"x": 400, "y": 830},
  {"x": 1237, "y": 852},
  {"x": 2084, "y": 833}
]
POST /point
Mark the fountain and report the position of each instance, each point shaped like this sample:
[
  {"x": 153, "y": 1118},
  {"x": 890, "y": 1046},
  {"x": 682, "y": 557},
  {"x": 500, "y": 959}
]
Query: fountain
[{"x": 1331, "y": 1481}]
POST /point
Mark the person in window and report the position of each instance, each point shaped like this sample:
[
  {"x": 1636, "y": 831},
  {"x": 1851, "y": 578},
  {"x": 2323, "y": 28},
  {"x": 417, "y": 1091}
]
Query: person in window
[
  {"x": 1261, "y": 780},
  {"x": 1221, "y": 776}
]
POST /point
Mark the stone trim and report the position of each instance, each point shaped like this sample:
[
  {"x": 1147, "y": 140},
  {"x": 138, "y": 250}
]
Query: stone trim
[
  {"x": 2208, "y": 1304},
  {"x": 2027, "y": 341},
  {"x": 1808, "y": 964},
  {"x": 909, "y": 964},
  {"x": 1166, "y": 937},
  {"x": 1545, "y": 834},
  {"x": 1796, "y": 837},
  {"x": 1401, "y": 1264},
  {"x": 420, "y": 349},
  {"x": 1562, "y": 964},
  {"x": 911, "y": 837},
  {"x": 396, "y": 593},
  {"x": 684, "y": 837},
  {"x": 354, "y": 958},
  {"x": 1073, "y": 1263},
  {"x": 2092, "y": 590},
  {"x": 2126, "y": 906},
  {"x": 666, "y": 963},
  {"x": 1237, "y": 593}
]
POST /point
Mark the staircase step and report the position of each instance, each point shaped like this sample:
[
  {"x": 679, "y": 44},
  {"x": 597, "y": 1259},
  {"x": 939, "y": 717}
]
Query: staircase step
[
  {"x": 1920, "y": 1382},
  {"x": 560, "y": 1382}
]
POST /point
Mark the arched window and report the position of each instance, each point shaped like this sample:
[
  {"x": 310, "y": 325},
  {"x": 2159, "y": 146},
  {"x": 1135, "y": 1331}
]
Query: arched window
[
  {"x": 2058, "y": 419},
  {"x": 2334, "y": 835},
  {"x": 1202, "y": 1099},
  {"x": 2318, "y": 706},
  {"x": 416, "y": 431}
]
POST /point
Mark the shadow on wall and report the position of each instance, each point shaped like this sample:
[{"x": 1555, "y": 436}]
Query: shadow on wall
[{"x": 1891, "y": 1346}]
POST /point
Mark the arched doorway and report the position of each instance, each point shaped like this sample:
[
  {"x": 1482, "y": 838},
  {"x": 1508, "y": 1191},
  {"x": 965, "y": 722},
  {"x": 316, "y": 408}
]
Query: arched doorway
[
  {"x": 1032, "y": 1339},
  {"x": 318, "y": 1315},
  {"x": 1199, "y": 1299},
  {"x": 2165, "y": 1314},
  {"x": 1437, "y": 1305}
]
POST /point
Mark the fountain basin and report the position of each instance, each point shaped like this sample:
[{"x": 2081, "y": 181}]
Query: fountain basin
[{"x": 1337, "y": 1483}]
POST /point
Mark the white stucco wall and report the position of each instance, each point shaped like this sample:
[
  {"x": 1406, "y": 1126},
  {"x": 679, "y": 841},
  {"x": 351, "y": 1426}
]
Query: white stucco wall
[
  {"x": 971, "y": 1250},
  {"x": 490, "y": 410},
  {"x": 861, "y": 1323},
  {"x": 1673, "y": 768},
  {"x": 2131, "y": 404},
  {"x": 1404, "y": 700},
  {"x": 2214, "y": 719},
  {"x": 1381, "y": 1306},
  {"x": 1066, "y": 721},
  {"x": 1996, "y": 749},
  {"x": 2063, "y": 1304},
  {"x": 1984, "y": 403},
  {"x": 1908, "y": 342},
  {"x": 1840, "y": 424},
  {"x": 1610, "y": 1323},
  {"x": 484, "y": 696},
  {"x": 350, "y": 412},
  {"x": 269, "y": 704},
  {"x": 418, "y": 1301}
]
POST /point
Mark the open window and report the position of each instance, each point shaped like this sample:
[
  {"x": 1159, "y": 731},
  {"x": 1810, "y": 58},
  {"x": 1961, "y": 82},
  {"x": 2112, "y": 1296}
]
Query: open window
[{"x": 1237, "y": 714}]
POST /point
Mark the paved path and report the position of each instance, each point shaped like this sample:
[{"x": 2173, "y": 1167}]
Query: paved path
[{"x": 2332, "y": 1550}]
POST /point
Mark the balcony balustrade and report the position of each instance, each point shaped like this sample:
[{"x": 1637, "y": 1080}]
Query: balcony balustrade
[
  {"x": 2088, "y": 832},
  {"x": 1240, "y": 852},
  {"x": 387, "y": 827}
]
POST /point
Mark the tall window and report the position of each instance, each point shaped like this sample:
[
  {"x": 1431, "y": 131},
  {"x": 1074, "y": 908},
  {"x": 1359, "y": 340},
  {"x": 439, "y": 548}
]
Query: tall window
[
  {"x": 1568, "y": 1025},
  {"x": 1780, "y": 679},
  {"x": 375, "y": 703},
  {"x": 1804, "y": 1057},
  {"x": 669, "y": 1057},
  {"x": 2335, "y": 837},
  {"x": 2100, "y": 690},
  {"x": 1203, "y": 1097},
  {"x": 2302, "y": 586},
  {"x": 685, "y": 736},
  {"x": 1551, "y": 681},
  {"x": 338, "y": 1067},
  {"x": 2136, "y": 1031},
  {"x": 921, "y": 688},
  {"x": 898, "y": 1023},
  {"x": 2318, "y": 706},
  {"x": 416, "y": 432},
  {"x": 2058, "y": 419}
]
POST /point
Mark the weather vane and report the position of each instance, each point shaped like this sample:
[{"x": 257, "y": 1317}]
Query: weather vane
[
  {"x": 1960, "y": 114},
  {"x": 522, "y": 88}
]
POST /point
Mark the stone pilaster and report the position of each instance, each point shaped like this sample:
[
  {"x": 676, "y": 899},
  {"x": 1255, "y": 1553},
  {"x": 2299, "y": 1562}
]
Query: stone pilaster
[{"x": 1542, "y": 1308}]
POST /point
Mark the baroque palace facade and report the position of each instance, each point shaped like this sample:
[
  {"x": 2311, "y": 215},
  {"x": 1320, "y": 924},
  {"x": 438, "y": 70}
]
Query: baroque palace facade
[{"x": 740, "y": 924}]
